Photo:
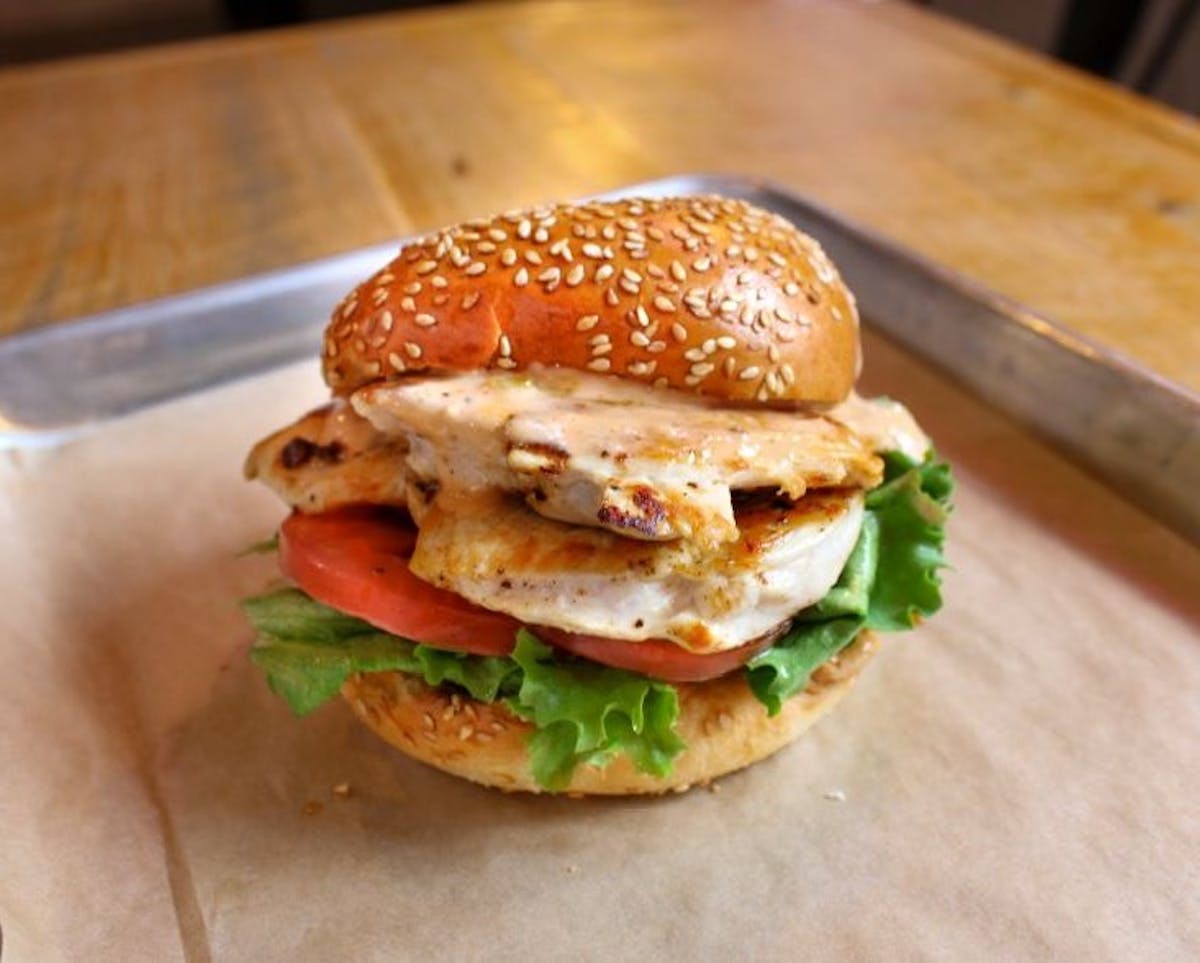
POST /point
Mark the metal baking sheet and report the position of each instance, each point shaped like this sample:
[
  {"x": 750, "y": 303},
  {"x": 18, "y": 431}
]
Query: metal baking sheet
[{"x": 1134, "y": 429}]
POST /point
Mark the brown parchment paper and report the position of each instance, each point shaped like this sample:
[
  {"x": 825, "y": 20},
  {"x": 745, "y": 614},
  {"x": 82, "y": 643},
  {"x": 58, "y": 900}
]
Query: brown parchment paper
[{"x": 1017, "y": 779}]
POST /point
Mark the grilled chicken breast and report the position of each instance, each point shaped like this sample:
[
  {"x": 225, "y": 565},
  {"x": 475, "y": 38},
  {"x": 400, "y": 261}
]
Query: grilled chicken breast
[
  {"x": 493, "y": 551},
  {"x": 641, "y": 462},
  {"x": 330, "y": 457}
]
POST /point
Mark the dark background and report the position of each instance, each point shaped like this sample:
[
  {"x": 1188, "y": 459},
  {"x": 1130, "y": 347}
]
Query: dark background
[{"x": 1149, "y": 45}]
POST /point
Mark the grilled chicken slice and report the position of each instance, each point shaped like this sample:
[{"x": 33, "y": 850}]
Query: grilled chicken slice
[
  {"x": 495, "y": 552},
  {"x": 330, "y": 457},
  {"x": 641, "y": 462}
]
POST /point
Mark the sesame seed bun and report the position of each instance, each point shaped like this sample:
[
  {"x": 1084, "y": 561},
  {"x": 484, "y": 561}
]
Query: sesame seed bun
[
  {"x": 724, "y": 726},
  {"x": 702, "y": 294}
]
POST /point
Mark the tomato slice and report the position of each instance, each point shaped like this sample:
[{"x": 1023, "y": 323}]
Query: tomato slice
[
  {"x": 356, "y": 560},
  {"x": 656, "y": 658}
]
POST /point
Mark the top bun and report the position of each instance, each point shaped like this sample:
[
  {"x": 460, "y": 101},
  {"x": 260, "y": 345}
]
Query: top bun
[{"x": 703, "y": 294}]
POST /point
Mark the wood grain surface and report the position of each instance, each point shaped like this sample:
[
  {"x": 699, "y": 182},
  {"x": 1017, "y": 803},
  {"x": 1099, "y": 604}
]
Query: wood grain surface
[{"x": 136, "y": 175}]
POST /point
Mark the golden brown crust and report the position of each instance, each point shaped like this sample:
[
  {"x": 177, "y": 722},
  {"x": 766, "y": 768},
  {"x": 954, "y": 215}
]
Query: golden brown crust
[
  {"x": 725, "y": 727},
  {"x": 703, "y": 294}
]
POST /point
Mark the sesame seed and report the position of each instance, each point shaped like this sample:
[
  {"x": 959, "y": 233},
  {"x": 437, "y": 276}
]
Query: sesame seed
[
  {"x": 521, "y": 278},
  {"x": 787, "y": 373},
  {"x": 593, "y": 250},
  {"x": 348, "y": 308},
  {"x": 427, "y": 722},
  {"x": 628, "y": 286},
  {"x": 692, "y": 380},
  {"x": 642, "y": 368},
  {"x": 387, "y": 277},
  {"x": 508, "y": 257},
  {"x": 609, "y": 233},
  {"x": 562, "y": 248},
  {"x": 628, "y": 223},
  {"x": 785, "y": 314},
  {"x": 524, "y": 229},
  {"x": 749, "y": 373},
  {"x": 678, "y": 272},
  {"x": 664, "y": 304},
  {"x": 408, "y": 304},
  {"x": 465, "y": 733},
  {"x": 728, "y": 342},
  {"x": 639, "y": 338},
  {"x": 505, "y": 346},
  {"x": 497, "y": 234},
  {"x": 709, "y": 346},
  {"x": 751, "y": 254},
  {"x": 745, "y": 277},
  {"x": 657, "y": 347},
  {"x": 541, "y": 235},
  {"x": 773, "y": 353},
  {"x": 425, "y": 320},
  {"x": 378, "y": 296},
  {"x": 425, "y": 267},
  {"x": 728, "y": 306},
  {"x": 604, "y": 272},
  {"x": 631, "y": 275},
  {"x": 412, "y": 349},
  {"x": 599, "y": 364},
  {"x": 438, "y": 281},
  {"x": 791, "y": 289},
  {"x": 587, "y": 322},
  {"x": 641, "y": 317},
  {"x": 476, "y": 269},
  {"x": 601, "y": 338},
  {"x": 694, "y": 354},
  {"x": 733, "y": 250},
  {"x": 575, "y": 275},
  {"x": 730, "y": 366},
  {"x": 552, "y": 275},
  {"x": 386, "y": 320},
  {"x": 679, "y": 332},
  {"x": 396, "y": 361},
  {"x": 777, "y": 259},
  {"x": 837, "y": 314},
  {"x": 611, "y": 298},
  {"x": 773, "y": 384},
  {"x": 533, "y": 257},
  {"x": 599, "y": 350},
  {"x": 506, "y": 363}
]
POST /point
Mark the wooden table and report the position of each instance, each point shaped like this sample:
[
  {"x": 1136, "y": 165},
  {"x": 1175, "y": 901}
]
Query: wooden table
[{"x": 131, "y": 176}]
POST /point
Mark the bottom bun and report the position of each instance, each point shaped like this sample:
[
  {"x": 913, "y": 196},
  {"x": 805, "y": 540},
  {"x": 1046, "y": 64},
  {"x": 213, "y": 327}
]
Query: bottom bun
[{"x": 724, "y": 726}]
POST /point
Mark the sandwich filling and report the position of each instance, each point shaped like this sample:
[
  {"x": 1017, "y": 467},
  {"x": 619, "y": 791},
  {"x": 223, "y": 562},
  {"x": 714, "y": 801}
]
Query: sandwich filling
[{"x": 612, "y": 535}]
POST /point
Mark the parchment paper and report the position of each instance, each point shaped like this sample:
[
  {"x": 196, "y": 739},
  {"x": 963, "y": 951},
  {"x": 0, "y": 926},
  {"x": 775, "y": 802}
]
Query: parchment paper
[{"x": 1017, "y": 779}]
